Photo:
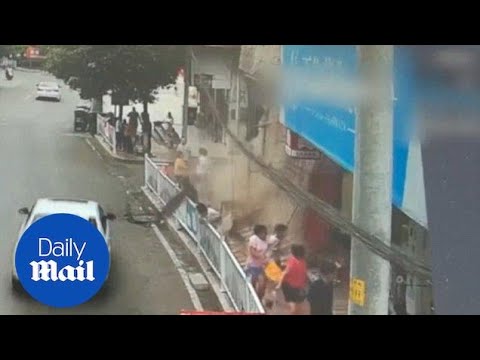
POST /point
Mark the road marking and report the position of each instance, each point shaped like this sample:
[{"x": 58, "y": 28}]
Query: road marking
[
  {"x": 86, "y": 136},
  {"x": 28, "y": 97},
  {"x": 183, "y": 274},
  {"x": 90, "y": 144},
  {"x": 93, "y": 148}
]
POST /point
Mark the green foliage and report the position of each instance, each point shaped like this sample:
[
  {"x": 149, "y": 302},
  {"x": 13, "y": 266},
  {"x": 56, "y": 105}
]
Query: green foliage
[
  {"x": 12, "y": 49},
  {"x": 134, "y": 70}
]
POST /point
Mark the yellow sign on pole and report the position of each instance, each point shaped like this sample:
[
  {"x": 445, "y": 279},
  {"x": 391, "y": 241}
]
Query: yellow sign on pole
[{"x": 357, "y": 292}]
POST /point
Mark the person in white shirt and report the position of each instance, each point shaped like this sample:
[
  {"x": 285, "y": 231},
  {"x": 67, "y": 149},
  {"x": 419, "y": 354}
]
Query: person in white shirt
[
  {"x": 274, "y": 241},
  {"x": 208, "y": 213},
  {"x": 203, "y": 171},
  {"x": 119, "y": 133},
  {"x": 257, "y": 258}
]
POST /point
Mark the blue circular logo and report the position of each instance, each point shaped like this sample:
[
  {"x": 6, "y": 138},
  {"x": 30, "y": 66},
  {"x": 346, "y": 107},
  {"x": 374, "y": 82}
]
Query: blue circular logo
[{"x": 62, "y": 260}]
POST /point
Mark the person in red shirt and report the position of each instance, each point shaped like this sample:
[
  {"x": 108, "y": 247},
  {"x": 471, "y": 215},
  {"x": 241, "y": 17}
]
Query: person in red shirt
[{"x": 294, "y": 280}]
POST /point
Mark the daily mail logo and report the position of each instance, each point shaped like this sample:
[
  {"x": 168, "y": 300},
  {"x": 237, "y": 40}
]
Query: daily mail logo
[
  {"x": 49, "y": 270},
  {"x": 62, "y": 260}
]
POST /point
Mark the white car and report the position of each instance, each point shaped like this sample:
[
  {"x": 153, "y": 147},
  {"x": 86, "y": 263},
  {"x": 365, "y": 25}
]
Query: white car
[
  {"x": 88, "y": 210},
  {"x": 49, "y": 90}
]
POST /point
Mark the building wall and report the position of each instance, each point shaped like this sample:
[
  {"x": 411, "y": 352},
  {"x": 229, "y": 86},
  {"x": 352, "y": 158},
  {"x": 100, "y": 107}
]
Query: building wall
[
  {"x": 250, "y": 186},
  {"x": 216, "y": 62},
  {"x": 238, "y": 179}
]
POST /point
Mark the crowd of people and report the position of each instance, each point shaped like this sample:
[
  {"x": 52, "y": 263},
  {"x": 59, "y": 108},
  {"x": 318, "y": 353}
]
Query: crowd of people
[
  {"x": 126, "y": 132},
  {"x": 269, "y": 271}
]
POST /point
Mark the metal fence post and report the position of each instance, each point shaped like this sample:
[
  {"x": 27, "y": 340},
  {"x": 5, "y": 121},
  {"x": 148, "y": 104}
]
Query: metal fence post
[
  {"x": 222, "y": 264},
  {"x": 114, "y": 139},
  {"x": 245, "y": 303},
  {"x": 157, "y": 180},
  {"x": 145, "y": 170}
]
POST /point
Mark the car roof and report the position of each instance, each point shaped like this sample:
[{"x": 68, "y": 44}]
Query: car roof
[
  {"x": 49, "y": 84},
  {"x": 83, "y": 208}
]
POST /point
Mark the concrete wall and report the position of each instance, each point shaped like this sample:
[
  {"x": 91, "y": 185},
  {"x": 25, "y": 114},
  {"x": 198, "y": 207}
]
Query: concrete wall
[
  {"x": 216, "y": 62},
  {"x": 236, "y": 178}
]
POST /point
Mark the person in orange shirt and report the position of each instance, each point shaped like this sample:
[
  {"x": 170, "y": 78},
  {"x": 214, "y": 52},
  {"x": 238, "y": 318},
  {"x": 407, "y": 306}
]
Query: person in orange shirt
[{"x": 180, "y": 168}]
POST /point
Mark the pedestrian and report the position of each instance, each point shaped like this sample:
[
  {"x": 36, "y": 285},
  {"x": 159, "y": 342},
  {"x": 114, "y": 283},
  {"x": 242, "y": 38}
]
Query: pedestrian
[
  {"x": 130, "y": 134},
  {"x": 118, "y": 133},
  {"x": 187, "y": 191},
  {"x": 145, "y": 116},
  {"x": 172, "y": 139},
  {"x": 169, "y": 118},
  {"x": 257, "y": 258},
  {"x": 275, "y": 240},
  {"x": 320, "y": 294},
  {"x": 180, "y": 168},
  {"x": 203, "y": 171},
  {"x": 147, "y": 133},
  {"x": 211, "y": 215},
  {"x": 133, "y": 118},
  {"x": 294, "y": 280}
]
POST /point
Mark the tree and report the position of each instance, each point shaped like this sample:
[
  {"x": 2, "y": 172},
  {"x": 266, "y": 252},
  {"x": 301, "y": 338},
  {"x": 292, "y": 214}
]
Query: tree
[
  {"x": 133, "y": 70},
  {"x": 3, "y": 50}
]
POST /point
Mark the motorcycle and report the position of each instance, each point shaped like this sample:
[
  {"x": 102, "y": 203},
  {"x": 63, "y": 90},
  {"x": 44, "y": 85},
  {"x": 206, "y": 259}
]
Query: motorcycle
[
  {"x": 9, "y": 74},
  {"x": 167, "y": 134}
]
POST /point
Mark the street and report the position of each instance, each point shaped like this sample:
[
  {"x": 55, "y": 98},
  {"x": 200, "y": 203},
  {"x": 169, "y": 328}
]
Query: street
[{"x": 41, "y": 156}]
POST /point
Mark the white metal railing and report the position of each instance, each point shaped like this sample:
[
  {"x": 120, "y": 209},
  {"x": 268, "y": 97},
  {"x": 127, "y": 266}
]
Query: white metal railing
[
  {"x": 5, "y": 62},
  {"x": 211, "y": 244},
  {"x": 107, "y": 132}
]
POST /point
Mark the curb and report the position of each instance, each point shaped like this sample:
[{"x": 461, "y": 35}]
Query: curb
[
  {"x": 28, "y": 70},
  {"x": 193, "y": 249},
  {"x": 183, "y": 274},
  {"x": 115, "y": 156}
]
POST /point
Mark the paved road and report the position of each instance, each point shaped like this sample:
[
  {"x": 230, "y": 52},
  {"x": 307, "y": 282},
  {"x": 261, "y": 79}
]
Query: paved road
[{"x": 41, "y": 157}]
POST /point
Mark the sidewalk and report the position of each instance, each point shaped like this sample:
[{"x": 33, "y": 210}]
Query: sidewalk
[{"x": 158, "y": 151}]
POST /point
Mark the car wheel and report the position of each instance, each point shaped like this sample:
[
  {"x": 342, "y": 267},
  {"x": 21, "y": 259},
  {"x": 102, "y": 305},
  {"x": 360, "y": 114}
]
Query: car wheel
[{"x": 16, "y": 285}]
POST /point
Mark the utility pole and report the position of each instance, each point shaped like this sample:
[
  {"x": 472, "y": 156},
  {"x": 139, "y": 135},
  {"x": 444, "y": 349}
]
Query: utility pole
[
  {"x": 372, "y": 184},
  {"x": 186, "y": 93}
]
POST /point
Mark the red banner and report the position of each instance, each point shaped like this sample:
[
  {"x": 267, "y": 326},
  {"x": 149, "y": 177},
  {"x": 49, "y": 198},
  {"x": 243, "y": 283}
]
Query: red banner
[
  {"x": 187, "y": 312},
  {"x": 298, "y": 147}
]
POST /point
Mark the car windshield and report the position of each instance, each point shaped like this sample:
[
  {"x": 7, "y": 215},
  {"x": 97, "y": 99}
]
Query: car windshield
[{"x": 37, "y": 217}]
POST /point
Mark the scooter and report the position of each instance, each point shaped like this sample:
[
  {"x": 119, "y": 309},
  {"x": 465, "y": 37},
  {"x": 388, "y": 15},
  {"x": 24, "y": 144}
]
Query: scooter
[
  {"x": 168, "y": 135},
  {"x": 8, "y": 74}
]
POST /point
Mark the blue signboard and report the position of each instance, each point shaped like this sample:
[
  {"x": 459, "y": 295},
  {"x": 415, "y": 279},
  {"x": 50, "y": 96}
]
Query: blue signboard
[{"x": 318, "y": 105}]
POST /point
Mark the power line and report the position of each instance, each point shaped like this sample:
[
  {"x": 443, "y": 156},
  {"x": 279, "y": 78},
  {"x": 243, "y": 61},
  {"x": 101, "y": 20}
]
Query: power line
[{"x": 328, "y": 212}]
